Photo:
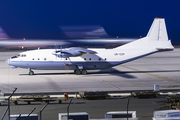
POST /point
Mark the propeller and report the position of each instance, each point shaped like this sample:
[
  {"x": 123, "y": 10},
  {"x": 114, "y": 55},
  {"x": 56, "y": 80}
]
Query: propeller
[
  {"x": 72, "y": 52},
  {"x": 58, "y": 52},
  {"x": 61, "y": 52}
]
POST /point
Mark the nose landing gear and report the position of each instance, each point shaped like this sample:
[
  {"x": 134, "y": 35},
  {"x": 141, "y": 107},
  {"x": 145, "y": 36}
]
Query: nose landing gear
[{"x": 31, "y": 72}]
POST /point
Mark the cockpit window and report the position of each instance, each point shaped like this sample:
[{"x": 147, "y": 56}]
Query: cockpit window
[{"x": 15, "y": 56}]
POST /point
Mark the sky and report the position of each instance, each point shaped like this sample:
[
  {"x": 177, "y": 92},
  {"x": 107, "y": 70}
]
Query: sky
[{"x": 41, "y": 19}]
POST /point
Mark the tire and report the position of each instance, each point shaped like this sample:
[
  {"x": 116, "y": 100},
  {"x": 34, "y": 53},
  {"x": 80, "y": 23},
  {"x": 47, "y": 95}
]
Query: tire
[
  {"x": 31, "y": 73},
  {"x": 78, "y": 72},
  {"x": 84, "y": 72}
]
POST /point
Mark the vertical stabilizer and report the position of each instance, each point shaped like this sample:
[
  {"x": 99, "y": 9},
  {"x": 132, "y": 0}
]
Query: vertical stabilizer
[{"x": 158, "y": 30}]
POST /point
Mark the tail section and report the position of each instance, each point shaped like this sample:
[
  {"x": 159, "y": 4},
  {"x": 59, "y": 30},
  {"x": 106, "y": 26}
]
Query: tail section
[
  {"x": 156, "y": 39},
  {"x": 158, "y": 30},
  {"x": 158, "y": 36}
]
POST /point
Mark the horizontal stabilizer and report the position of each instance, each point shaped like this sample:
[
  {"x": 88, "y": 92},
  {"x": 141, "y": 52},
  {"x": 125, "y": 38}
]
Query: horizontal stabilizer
[{"x": 165, "y": 49}]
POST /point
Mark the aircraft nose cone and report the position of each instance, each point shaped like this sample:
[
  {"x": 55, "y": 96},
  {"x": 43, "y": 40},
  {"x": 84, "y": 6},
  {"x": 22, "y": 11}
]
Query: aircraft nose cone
[{"x": 8, "y": 61}]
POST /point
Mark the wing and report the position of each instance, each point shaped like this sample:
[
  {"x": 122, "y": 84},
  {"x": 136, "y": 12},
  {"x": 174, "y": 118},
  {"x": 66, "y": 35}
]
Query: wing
[{"x": 73, "y": 52}]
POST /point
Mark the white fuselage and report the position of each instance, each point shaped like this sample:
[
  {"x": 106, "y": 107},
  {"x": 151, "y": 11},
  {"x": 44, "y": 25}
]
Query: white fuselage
[
  {"x": 45, "y": 59},
  {"x": 88, "y": 59}
]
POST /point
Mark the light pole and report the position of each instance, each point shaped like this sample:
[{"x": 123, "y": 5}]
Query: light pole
[
  {"x": 68, "y": 110},
  {"x": 128, "y": 106},
  {"x": 30, "y": 113},
  {"x": 9, "y": 102},
  {"x": 42, "y": 110}
]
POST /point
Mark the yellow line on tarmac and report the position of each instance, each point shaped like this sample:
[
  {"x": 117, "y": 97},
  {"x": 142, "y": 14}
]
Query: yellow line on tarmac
[
  {"x": 142, "y": 83},
  {"x": 157, "y": 77},
  {"x": 111, "y": 84}
]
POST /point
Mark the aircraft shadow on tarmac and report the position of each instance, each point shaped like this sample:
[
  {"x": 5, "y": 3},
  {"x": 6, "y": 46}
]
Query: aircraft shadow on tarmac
[
  {"x": 112, "y": 72},
  {"x": 153, "y": 71},
  {"x": 104, "y": 72},
  {"x": 107, "y": 72}
]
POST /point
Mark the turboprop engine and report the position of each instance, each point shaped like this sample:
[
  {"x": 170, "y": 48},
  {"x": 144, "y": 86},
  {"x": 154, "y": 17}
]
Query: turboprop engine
[{"x": 72, "y": 52}]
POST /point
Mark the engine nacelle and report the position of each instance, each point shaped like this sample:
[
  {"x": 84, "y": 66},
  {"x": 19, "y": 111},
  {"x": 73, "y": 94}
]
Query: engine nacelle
[{"x": 72, "y": 52}]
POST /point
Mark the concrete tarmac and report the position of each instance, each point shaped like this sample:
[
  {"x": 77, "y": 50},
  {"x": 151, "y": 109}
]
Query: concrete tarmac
[{"x": 160, "y": 68}]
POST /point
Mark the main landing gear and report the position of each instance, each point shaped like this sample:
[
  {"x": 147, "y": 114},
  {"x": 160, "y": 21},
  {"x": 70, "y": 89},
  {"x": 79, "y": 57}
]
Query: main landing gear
[
  {"x": 78, "y": 72},
  {"x": 31, "y": 72}
]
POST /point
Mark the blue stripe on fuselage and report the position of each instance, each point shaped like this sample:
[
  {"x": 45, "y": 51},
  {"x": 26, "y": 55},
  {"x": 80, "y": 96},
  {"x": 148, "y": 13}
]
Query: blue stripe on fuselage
[{"x": 59, "y": 65}]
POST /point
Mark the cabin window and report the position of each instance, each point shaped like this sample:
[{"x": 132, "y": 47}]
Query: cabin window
[
  {"x": 44, "y": 58},
  {"x": 84, "y": 58},
  {"x": 105, "y": 59},
  {"x": 33, "y": 59},
  {"x": 23, "y": 55},
  {"x": 99, "y": 58},
  {"x": 66, "y": 59},
  {"x": 38, "y": 58},
  {"x": 89, "y": 58}
]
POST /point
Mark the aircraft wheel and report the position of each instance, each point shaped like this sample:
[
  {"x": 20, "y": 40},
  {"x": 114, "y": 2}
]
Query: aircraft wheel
[
  {"x": 31, "y": 73},
  {"x": 84, "y": 72},
  {"x": 78, "y": 72}
]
